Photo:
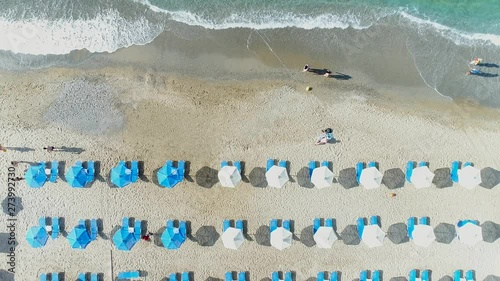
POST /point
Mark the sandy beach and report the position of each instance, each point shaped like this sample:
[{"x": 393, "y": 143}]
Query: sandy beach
[{"x": 131, "y": 113}]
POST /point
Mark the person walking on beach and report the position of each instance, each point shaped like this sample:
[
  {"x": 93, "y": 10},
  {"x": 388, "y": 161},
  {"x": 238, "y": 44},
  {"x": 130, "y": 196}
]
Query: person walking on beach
[
  {"x": 18, "y": 179},
  {"x": 147, "y": 236},
  {"x": 306, "y": 68},
  {"x": 2, "y": 148},
  {"x": 328, "y": 72},
  {"x": 49, "y": 148}
]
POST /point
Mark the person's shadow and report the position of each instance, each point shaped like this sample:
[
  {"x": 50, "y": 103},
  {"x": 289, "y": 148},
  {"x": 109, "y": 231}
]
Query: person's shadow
[
  {"x": 487, "y": 75},
  {"x": 493, "y": 65},
  {"x": 341, "y": 76}
]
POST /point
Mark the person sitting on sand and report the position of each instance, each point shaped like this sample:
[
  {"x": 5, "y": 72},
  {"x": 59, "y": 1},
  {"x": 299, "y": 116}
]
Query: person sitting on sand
[
  {"x": 473, "y": 71},
  {"x": 476, "y": 61},
  {"x": 306, "y": 68},
  {"x": 328, "y": 72},
  {"x": 49, "y": 148}
]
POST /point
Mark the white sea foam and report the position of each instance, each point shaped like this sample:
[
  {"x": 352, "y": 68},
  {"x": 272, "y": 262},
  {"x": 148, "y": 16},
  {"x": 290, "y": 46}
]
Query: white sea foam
[{"x": 103, "y": 33}]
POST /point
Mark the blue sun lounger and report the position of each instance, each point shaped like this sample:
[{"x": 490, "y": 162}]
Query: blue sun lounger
[
  {"x": 273, "y": 225},
  {"x": 90, "y": 171},
  {"x": 172, "y": 277},
  {"x": 316, "y": 224},
  {"x": 372, "y": 164},
  {"x": 93, "y": 277},
  {"x": 43, "y": 277},
  {"x": 242, "y": 276},
  {"x": 469, "y": 275},
  {"x": 225, "y": 225},
  {"x": 288, "y": 276},
  {"x": 325, "y": 164},
  {"x": 170, "y": 223},
  {"x": 376, "y": 275},
  {"x": 239, "y": 224},
  {"x": 423, "y": 220},
  {"x": 361, "y": 225},
  {"x": 129, "y": 274},
  {"x": 54, "y": 276},
  {"x": 137, "y": 229},
  {"x": 237, "y": 164},
  {"x": 467, "y": 164},
  {"x": 422, "y": 164},
  {"x": 181, "y": 168},
  {"x": 223, "y": 164},
  {"x": 411, "y": 227},
  {"x": 282, "y": 163},
  {"x": 334, "y": 276},
  {"x": 412, "y": 276},
  {"x": 286, "y": 224},
  {"x": 229, "y": 276},
  {"x": 464, "y": 222},
  {"x": 54, "y": 170},
  {"x": 185, "y": 276},
  {"x": 363, "y": 275},
  {"x": 359, "y": 168},
  {"x": 320, "y": 276},
  {"x": 81, "y": 277},
  {"x": 125, "y": 224},
  {"x": 409, "y": 170},
  {"x": 269, "y": 164},
  {"x": 134, "y": 167},
  {"x": 425, "y": 275},
  {"x": 275, "y": 276},
  {"x": 374, "y": 220},
  {"x": 312, "y": 166},
  {"x": 457, "y": 275},
  {"x": 93, "y": 229},
  {"x": 454, "y": 171},
  {"x": 183, "y": 228},
  {"x": 42, "y": 222},
  {"x": 329, "y": 222},
  {"x": 55, "y": 228}
]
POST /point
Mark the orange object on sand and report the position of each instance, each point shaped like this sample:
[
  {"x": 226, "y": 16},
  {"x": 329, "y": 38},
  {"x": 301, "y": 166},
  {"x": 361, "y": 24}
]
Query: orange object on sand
[{"x": 391, "y": 195}]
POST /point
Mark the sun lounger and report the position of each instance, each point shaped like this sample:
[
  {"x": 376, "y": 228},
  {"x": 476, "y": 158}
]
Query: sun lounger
[
  {"x": 376, "y": 275},
  {"x": 312, "y": 166},
  {"x": 93, "y": 277},
  {"x": 334, "y": 276},
  {"x": 325, "y": 164},
  {"x": 81, "y": 277},
  {"x": 223, "y": 164},
  {"x": 269, "y": 164},
  {"x": 55, "y": 228},
  {"x": 409, "y": 170},
  {"x": 275, "y": 276},
  {"x": 90, "y": 171},
  {"x": 242, "y": 276},
  {"x": 128, "y": 274},
  {"x": 239, "y": 224},
  {"x": 43, "y": 277},
  {"x": 423, "y": 220},
  {"x": 173, "y": 277},
  {"x": 286, "y": 224},
  {"x": 170, "y": 223},
  {"x": 454, "y": 171},
  {"x": 361, "y": 225},
  {"x": 93, "y": 229},
  {"x": 469, "y": 275},
  {"x": 273, "y": 225},
  {"x": 181, "y": 168},
  {"x": 329, "y": 222},
  {"x": 363, "y": 275},
  {"x": 467, "y": 164},
  {"x": 182, "y": 228},
  {"x": 125, "y": 223},
  {"x": 42, "y": 222},
  {"x": 374, "y": 220},
  {"x": 225, "y": 225},
  {"x": 316, "y": 224},
  {"x": 185, "y": 276},
  {"x": 320, "y": 276},
  {"x": 463, "y": 222},
  {"x": 134, "y": 166},
  {"x": 237, "y": 164},
  {"x": 411, "y": 227},
  {"x": 229, "y": 276},
  {"x": 424, "y": 276},
  {"x": 282, "y": 163},
  {"x": 288, "y": 276},
  {"x": 412, "y": 276},
  {"x": 79, "y": 164},
  {"x": 457, "y": 275},
  {"x": 137, "y": 229},
  {"x": 54, "y": 170},
  {"x": 359, "y": 168},
  {"x": 55, "y": 276},
  {"x": 422, "y": 164},
  {"x": 372, "y": 164}
]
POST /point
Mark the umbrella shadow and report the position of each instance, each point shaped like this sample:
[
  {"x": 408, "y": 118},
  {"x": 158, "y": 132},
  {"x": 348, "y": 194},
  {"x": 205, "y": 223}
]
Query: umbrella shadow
[
  {"x": 210, "y": 278},
  {"x": 398, "y": 233},
  {"x": 492, "y": 278},
  {"x": 157, "y": 236},
  {"x": 206, "y": 177},
  {"x": 491, "y": 231},
  {"x": 207, "y": 236},
  {"x": 263, "y": 236},
  {"x": 489, "y": 178},
  {"x": 187, "y": 171},
  {"x": 446, "y": 278},
  {"x": 244, "y": 178},
  {"x": 11, "y": 206},
  {"x": 20, "y": 148},
  {"x": 303, "y": 178},
  {"x": 445, "y": 233},
  {"x": 5, "y": 247},
  {"x": 142, "y": 176},
  {"x": 6, "y": 276},
  {"x": 347, "y": 178},
  {"x": 394, "y": 178},
  {"x": 257, "y": 177},
  {"x": 442, "y": 178},
  {"x": 400, "y": 278},
  {"x": 307, "y": 236},
  {"x": 350, "y": 235}
]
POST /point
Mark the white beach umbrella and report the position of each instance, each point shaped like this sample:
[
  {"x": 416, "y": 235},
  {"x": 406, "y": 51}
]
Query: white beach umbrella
[
  {"x": 469, "y": 177},
  {"x": 276, "y": 176},
  {"x": 470, "y": 234},
  {"x": 423, "y": 235},
  {"x": 281, "y": 238},
  {"x": 324, "y": 237},
  {"x": 373, "y": 236},
  {"x": 322, "y": 177},
  {"x": 422, "y": 177},
  {"x": 370, "y": 178},
  {"x": 232, "y": 238},
  {"x": 229, "y": 176}
]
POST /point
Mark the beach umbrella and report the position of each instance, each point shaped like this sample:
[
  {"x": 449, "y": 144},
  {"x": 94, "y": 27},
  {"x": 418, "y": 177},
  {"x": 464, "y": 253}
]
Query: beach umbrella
[
  {"x": 470, "y": 233},
  {"x": 469, "y": 177},
  {"x": 37, "y": 236},
  {"x": 422, "y": 177},
  {"x": 398, "y": 233},
  {"x": 79, "y": 237},
  {"x": 445, "y": 233},
  {"x": 172, "y": 238},
  {"x": 373, "y": 236},
  {"x": 371, "y": 178},
  {"x": 324, "y": 237},
  {"x": 229, "y": 176},
  {"x": 121, "y": 175},
  {"x": 206, "y": 235},
  {"x": 423, "y": 235},
  {"x": 124, "y": 240},
  {"x": 322, "y": 177},
  {"x": 232, "y": 238},
  {"x": 35, "y": 176},
  {"x": 281, "y": 238},
  {"x": 76, "y": 176},
  {"x": 491, "y": 231},
  {"x": 276, "y": 176},
  {"x": 168, "y": 176}
]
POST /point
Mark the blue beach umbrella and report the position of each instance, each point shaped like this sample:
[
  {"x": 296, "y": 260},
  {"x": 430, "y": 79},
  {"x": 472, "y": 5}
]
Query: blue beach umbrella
[
  {"x": 172, "y": 238},
  {"x": 35, "y": 176},
  {"x": 76, "y": 177},
  {"x": 121, "y": 175},
  {"x": 37, "y": 236},
  {"x": 124, "y": 240},
  {"x": 79, "y": 237},
  {"x": 168, "y": 176}
]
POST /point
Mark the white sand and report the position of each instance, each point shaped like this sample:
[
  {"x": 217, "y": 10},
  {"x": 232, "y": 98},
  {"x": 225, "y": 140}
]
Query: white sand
[{"x": 203, "y": 122}]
